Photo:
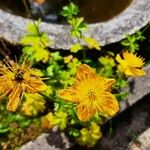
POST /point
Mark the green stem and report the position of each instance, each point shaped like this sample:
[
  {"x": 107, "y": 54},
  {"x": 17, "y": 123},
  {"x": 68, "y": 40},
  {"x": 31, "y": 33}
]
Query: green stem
[
  {"x": 146, "y": 28},
  {"x": 84, "y": 52},
  {"x": 29, "y": 12},
  {"x": 45, "y": 96},
  {"x": 4, "y": 48}
]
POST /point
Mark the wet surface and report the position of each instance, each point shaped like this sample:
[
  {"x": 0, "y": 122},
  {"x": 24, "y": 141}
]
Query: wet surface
[
  {"x": 102, "y": 10},
  {"x": 92, "y": 10},
  {"x": 13, "y": 6}
]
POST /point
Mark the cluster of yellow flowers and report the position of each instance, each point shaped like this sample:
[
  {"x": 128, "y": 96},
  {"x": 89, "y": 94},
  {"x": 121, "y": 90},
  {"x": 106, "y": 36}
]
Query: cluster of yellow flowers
[
  {"x": 50, "y": 120},
  {"x": 89, "y": 136},
  {"x": 90, "y": 92},
  {"x": 33, "y": 105}
]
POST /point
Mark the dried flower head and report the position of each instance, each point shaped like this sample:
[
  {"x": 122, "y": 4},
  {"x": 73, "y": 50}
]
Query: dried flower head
[
  {"x": 16, "y": 79},
  {"x": 130, "y": 64},
  {"x": 91, "y": 93}
]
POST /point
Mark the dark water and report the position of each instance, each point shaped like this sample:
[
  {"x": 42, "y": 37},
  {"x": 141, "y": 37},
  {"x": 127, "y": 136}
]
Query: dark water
[
  {"x": 92, "y": 10},
  {"x": 13, "y": 6},
  {"x": 102, "y": 10}
]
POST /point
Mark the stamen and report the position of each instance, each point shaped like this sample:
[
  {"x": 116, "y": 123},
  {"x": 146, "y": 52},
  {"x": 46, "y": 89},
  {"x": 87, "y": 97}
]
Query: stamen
[{"x": 91, "y": 95}]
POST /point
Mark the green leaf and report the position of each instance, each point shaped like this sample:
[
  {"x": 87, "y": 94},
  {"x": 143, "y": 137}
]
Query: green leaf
[
  {"x": 33, "y": 27},
  {"x": 92, "y": 43},
  {"x": 5, "y": 130},
  {"x": 78, "y": 26},
  {"x": 36, "y": 43},
  {"x": 131, "y": 41},
  {"x": 70, "y": 10},
  {"x": 122, "y": 96},
  {"x": 76, "y": 47}
]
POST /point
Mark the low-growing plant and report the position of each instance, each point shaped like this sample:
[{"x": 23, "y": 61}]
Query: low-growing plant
[{"x": 76, "y": 93}]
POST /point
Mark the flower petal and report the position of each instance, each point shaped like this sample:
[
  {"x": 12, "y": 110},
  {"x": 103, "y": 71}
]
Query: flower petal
[
  {"x": 108, "y": 105},
  {"x": 133, "y": 60},
  {"x": 105, "y": 83},
  {"x": 130, "y": 71},
  {"x": 84, "y": 113},
  {"x": 84, "y": 72},
  {"x": 34, "y": 85},
  {"x": 119, "y": 59},
  {"x": 14, "y": 98},
  {"x": 68, "y": 94}
]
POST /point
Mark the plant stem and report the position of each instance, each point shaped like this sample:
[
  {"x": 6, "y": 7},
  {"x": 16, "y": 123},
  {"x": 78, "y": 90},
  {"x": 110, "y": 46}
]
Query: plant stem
[
  {"x": 29, "y": 12},
  {"x": 148, "y": 25},
  {"x": 45, "y": 96}
]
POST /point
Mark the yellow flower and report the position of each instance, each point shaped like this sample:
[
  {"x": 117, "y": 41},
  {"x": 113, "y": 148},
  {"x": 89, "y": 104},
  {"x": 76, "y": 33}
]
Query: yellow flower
[
  {"x": 130, "y": 64},
  {"x": 16, "y": 79},
  {"x": 92, "y": 94},
  {"x": 46, "y": 121},
  {"x": 33, "y": 105},
  {"x": 59, "y": 119},
  {"x": 89, "y": 136}
]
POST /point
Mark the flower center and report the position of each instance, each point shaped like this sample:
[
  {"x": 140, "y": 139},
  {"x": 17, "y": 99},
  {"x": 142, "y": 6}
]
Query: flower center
[
  {"x": 19, "y": 77},
  {"x": 91, "y": 95}
]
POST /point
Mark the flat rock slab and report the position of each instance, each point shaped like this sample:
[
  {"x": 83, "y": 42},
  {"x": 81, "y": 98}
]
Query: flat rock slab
[
  {"x": 136, "y": 16},
  {"x": 142, "y": 142},
  {"x": 54, "y": 140},
  {"x": 140, "y": 87},
  {"x": 39, "y": 144}
]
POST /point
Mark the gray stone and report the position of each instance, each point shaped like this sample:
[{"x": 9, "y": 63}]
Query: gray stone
[
  {"x": 138, "y": 88},
  {"x": 55, "y": 140},
  {"x": 136, "y": 16},
  {"x": 142, "y": 142}
]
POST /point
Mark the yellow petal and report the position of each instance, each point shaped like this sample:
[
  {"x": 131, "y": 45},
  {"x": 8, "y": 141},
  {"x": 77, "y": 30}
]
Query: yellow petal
[
  {"x": 108, "y": 105},
  {"x": 105, "y": 83},
  {"x": 130, "y": 71},
  {"x": 34, "y": 85},
  {"x": 14, "y": 98},
  {"x": 118, "y": 58},
  {"x": 68, "y": 94},
  {"x": 133, "y": 60},
  {"x": 84, "y": 72},
  {"x": 84, "y": 113}
]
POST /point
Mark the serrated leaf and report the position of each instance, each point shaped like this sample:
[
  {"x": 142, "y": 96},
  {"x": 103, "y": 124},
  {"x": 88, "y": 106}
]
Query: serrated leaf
[
  {"x": 76, "y": 47},
  {"x": 92, "y": 43},
  {"x": 70, "y": 10},
  {"x": 78, "y": 26},
  {"x": 33, "y": 27}
]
